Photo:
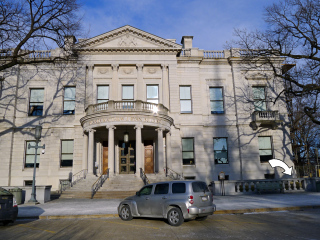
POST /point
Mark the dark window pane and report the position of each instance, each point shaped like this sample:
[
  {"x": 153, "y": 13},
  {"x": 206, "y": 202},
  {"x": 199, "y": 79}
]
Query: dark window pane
[
  {"x": 178, "y": 187},
  {"x": 199, "y": 187},
  {"x": 162, "y": 188}
]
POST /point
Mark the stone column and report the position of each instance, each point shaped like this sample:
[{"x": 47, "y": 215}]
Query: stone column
[
  {"x": 139, "y": 160},
  {"x": 111, "y": 149},
  {"x": 89, "y": 87},
  {"x": 165, "y": 85},
  {"x": 168, "y": 150},
  {"x": 115, "y": 82},
  {"x": 140, "y": 85},
  {"x": 91, "y": 151},
  {"x": 160, "y": 154},
  {"x": 85, "y": 152}
]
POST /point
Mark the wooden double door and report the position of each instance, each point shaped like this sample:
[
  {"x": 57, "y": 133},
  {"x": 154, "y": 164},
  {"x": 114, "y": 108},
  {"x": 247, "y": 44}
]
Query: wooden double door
[{"x": 127, "y": 157}]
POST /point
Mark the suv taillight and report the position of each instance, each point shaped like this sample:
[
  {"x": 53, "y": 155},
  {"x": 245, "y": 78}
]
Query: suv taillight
[
  {"x": 14, "y": 203},
  {"x": 191, "y": 199}
]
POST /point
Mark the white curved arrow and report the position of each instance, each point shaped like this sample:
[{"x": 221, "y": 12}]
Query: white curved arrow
[{"x": 278, "y": 163}]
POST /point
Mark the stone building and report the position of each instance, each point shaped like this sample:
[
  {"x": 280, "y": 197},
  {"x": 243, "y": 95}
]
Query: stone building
[{"x": 131, "y": 100}]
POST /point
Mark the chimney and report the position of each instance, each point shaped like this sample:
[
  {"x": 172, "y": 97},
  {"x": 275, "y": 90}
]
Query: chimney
[{"x": 186, "y": 42}]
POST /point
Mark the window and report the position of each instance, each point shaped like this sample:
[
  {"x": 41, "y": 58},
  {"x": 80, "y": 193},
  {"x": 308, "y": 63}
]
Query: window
[
  {"x": 178, "y": 187},
  {"x": 187, "y": 151},
  {"x": 220, "y": 150},
  {"x": 146, "y": 190},
  {"x": 36, "y": 102},
  {"x": 69, "y": 100},
  {"x": 259, "y": 98},
  {"x": 30, "y": 154},
  {"x": 216, "y": 100},
  {"x": 265, "y": 149},
  {"x": 199, "y": 187},
  {"x": 66, "y": 153},
  {"x": 162, "y": 188},
  {"x": 153, "y": 94},
  {"x": 185, "y": 99},
  {"x": 127, "y": 95},
  {"x": 103, "y": 94}
]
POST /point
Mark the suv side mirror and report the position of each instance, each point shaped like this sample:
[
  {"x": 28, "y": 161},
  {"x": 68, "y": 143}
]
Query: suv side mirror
[{"x": 138, "y": 194}]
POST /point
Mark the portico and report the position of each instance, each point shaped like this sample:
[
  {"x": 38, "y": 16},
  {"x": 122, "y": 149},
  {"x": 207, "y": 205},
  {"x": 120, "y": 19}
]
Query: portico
[{"x": 105, "y": 126}]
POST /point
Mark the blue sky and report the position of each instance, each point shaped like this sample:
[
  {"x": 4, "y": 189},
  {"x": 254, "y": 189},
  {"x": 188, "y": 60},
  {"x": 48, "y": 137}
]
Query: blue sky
[{"x": 211, "y": 22}]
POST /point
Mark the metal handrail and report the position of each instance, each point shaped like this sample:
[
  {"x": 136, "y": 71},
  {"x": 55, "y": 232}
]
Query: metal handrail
[
  {"x": 79, "y": 176},
  {"x": 144, "y": 177},
  {"x": 170, "y": 173},
  {"x": 98, "y": 184}
]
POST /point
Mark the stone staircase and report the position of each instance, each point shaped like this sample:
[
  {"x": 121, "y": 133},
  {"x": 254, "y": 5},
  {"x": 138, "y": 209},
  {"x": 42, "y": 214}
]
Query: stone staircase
[
  {"x": 157, "y": 177},
  {"x": 80, "y": 190},
  {"x": 116, "y": 187},
  {"x": 120, "y": 187}
]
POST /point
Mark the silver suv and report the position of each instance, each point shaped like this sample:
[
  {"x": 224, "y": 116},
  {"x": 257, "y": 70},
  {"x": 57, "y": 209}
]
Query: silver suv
[{"x": 174, "y": 201}]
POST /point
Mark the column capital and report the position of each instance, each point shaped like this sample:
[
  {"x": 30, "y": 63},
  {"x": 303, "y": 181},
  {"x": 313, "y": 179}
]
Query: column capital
[
  {"x": 91, "y": 130},
  {"x": 139, "y": 66},
  {"x": 164, "y": 66},
  {"x": 111, "y": 127},
  {"x": 115, "y": 66},
  {"x": 90, "y": 67},
  {"x": 139, "y": 126},
  {"x": 159, "y": 129}
]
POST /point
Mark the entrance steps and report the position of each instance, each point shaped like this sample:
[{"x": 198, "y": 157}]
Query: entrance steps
[
  {"x": 80, "y": 190},
  {"x": 120, "y": 187},
  {"x": 157, "y": 177}
]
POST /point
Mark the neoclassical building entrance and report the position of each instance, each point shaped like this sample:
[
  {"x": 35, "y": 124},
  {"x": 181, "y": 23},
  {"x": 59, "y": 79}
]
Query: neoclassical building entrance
[{"x": 125, "y": 140}]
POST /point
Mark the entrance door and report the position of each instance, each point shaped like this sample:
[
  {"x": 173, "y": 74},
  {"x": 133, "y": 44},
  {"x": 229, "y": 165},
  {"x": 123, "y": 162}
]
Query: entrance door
[
  {"x": 148, "y": 157},
  {"x": 127, "y": 161},
  {"x": 105, "y": 157}
]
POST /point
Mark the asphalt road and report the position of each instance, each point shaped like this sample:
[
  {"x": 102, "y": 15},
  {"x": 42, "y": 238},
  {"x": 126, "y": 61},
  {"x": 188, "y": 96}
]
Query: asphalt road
[{"x": 275, "y": 225}]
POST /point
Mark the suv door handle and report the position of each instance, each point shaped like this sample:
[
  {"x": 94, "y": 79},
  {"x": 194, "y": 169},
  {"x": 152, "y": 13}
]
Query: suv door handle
[
  {"x": 147, "y": 198},
  {"x": 164, "y": 197}
]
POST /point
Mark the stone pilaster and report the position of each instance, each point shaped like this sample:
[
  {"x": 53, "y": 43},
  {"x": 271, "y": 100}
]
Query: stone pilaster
[{"x": 115, "y": 82}]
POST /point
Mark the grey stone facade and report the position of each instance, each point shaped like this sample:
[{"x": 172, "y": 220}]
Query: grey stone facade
[{"x": 130, "y": 57}]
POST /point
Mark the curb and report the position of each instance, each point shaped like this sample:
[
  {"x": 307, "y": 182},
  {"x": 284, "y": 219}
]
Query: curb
[{"x": 239, "y": 211}]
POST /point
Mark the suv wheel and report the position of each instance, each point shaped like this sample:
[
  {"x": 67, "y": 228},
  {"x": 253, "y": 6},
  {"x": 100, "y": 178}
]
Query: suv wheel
[
  {"x": 125, "y": 213},
  {"x": 175, "y": 217}
]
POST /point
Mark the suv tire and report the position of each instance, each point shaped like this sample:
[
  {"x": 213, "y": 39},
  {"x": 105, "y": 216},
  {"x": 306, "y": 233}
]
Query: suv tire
[
  {"x": 125, "y": 213},
  {"x": 175, "y": 217}
]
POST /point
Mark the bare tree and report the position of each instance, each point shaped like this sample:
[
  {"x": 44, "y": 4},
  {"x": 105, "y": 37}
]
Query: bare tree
[
  {"x": 292, "y": 35},
  {"x": 30, "y": 25}
]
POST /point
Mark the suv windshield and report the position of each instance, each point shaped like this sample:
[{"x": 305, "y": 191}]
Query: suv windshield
[{"x": 199, "y": 187}]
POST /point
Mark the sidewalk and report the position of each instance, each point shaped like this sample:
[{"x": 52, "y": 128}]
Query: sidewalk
[{"x": 97, "y": 208}]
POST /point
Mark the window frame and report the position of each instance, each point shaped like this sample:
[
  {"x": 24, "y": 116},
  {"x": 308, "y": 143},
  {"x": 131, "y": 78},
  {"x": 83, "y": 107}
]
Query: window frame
[
  {"x": 272, "y": 149},
  {"x": 223, "y": 106},
  {"x": 127, "y": 85},
  {"x": 214, "y": 151},
  {"x": 186, "y": 99},
  {"x": 36, "y": 151},
  {"x": 29, "y": 107},
  {"x": 74, "y": 110},
  {"x": 61, "y": 153},
  {"x": 182, "y": 151},
  {"x": 104, "y": 99},
  {"x": 263, "y": 100},
  {"x": 152, "y": 99}
]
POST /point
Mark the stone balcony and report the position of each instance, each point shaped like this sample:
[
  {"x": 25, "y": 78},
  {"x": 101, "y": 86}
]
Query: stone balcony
[
  {"x": 127, "y": 113},
  {"x": 271, "y": 118}
]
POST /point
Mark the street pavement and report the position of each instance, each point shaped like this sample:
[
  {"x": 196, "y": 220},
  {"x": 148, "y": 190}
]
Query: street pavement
[{"x": 102, "y": 208}]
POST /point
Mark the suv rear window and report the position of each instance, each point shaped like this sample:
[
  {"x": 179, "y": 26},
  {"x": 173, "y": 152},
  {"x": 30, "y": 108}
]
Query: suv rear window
[
  {"x": 199, "y": 187},
  {"x": 178, "y": 187},
  {"x": 162, "y": 188}
]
